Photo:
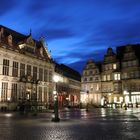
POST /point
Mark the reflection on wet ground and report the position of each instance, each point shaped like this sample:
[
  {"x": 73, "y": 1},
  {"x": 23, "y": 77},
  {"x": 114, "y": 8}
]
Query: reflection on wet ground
[{"x": 96, "y": 124}]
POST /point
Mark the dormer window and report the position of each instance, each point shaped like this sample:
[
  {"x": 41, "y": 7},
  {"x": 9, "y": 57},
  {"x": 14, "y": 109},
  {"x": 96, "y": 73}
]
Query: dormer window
[{"x": 10, "y": 40}]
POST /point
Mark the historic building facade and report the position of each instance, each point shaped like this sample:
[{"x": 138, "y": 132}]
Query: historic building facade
[
  {"x": 91, "y": 83},
  {"x": 68, "y": 86},
  {"x": 111, "y": 76},
  {"x": 26, "y": 70},
  {"x": 130, "y": 70},
  {"x": 119, "y": 77}
]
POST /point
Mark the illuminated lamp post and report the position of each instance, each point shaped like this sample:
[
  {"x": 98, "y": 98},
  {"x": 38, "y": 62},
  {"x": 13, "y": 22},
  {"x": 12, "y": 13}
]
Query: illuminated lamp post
[
  {"x": 8, "y": 99},
  {"x": 87, "y": 109},
  {"x": 126, "y": 98},
  {"x": 56, "y": 115}
]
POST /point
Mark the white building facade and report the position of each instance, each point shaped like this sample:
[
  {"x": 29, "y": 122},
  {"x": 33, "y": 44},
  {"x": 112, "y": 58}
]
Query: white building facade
[{"x": 26, "y": 70}]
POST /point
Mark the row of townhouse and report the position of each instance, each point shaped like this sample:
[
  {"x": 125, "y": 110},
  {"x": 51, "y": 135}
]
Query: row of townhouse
[{"x": 114, "y": 80}]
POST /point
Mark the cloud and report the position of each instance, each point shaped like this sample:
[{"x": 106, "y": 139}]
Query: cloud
[
  {"x": 53, "y": 34},
  {"x": 75, "y": 30}
]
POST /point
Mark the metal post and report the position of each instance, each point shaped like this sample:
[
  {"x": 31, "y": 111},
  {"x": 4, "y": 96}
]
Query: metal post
[
  {"x": 56, "y": 115},
  {"x": 87, "y": 101}
]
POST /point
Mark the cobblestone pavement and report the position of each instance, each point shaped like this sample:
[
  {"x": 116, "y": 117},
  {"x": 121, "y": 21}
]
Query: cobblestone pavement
[{"x": 96, "y": 124}]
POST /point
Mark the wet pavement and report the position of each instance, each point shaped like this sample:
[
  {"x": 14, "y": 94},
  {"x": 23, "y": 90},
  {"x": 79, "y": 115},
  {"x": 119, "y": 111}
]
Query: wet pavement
[{"x": 96, "y": 124}]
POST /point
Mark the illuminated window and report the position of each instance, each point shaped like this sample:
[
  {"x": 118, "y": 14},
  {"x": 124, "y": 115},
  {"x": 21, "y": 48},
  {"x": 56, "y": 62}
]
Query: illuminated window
[
  {"x": 116, "y": 76},
  {"x": 114, "y": 66},
  {"x": 97, "y": 88},
  {"x": 115, "y": 99},
  {"x": 104, "y": 77},
  {"x": 108, "y": 77}
]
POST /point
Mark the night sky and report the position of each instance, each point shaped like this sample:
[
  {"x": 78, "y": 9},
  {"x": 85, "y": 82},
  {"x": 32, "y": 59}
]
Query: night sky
[{"x": 75, "y": 30}]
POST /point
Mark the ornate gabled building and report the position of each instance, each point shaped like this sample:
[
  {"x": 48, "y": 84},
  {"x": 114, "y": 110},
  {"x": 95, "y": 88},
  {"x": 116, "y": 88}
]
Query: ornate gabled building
[
  {"x": 130, "y": 70},
  {"x": 91, "y": 83},
  {"x": 119, "y": 77},
  {"x": 111, "y": 78},
  {"x": 26, "y": 70}
]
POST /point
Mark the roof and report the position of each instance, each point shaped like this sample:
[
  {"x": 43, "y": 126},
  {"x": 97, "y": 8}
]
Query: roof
[
  {"x": 18, "y": 39},
  {"x": 122, "y": 49},
  {"x": 67, "y": 71}
]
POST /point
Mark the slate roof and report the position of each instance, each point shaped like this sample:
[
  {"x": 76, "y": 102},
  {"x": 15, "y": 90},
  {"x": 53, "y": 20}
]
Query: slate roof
[{"x": 18, "y": 38}]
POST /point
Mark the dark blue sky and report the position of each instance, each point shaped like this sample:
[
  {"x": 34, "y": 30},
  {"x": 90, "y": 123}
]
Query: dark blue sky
[{"x": 75, "y": 30}]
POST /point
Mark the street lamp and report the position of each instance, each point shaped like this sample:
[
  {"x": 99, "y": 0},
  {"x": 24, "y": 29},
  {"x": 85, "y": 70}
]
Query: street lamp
[
  {"x": 56, "y": 115},
  {"x": 8, "y": 99},
  {"x": 87, "y": 101}
]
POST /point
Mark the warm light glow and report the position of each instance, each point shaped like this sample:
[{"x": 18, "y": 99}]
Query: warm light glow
[
  {"x": 102, "y": 101},
  {"x": 121, "y": 99},
  {"x": 115, "y": 99},
  {"x": 114, "y": 66},
  {"x": 83, "y": 98},
  {"x": 67, "y": 98},
  {"x": 8, "y": 98},
  {"x": 54, "y": 92},
  {"x": 56, "y": 78},
  {"x": 125, "y": 92},
  {"x": 126, "y": 99}
]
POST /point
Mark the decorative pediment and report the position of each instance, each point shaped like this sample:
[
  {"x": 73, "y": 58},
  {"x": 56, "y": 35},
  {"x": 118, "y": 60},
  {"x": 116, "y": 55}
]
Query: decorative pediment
[
  {"x": 30, "y": 41},
  {"x": 109, "y": 51}
]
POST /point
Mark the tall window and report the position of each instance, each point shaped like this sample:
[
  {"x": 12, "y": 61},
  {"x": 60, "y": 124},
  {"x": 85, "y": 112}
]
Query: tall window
[
  {"x": 50, "y": 76},
  {"x": 104, "y": 77},
  {"x": 4, "y": 91},
  {"x": 108, "y": 77},
  {"x": 46, "y": 75},
  {"x": 117, "y": 76},
  {"x": 114, "y": 66},
  {"x": 40, "y": 94},
  {"x": 35, "y": 73},
  {"x": 22, "y": 69},
  {"x": 45, "y": 94},
  {"x": 29, "y": 70},
  {"x": 14, "y": 92},
  {"x": 15, "y": 69},
  {"x": 40, "y": 74},
  {"x": 5, "y": 67}
]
